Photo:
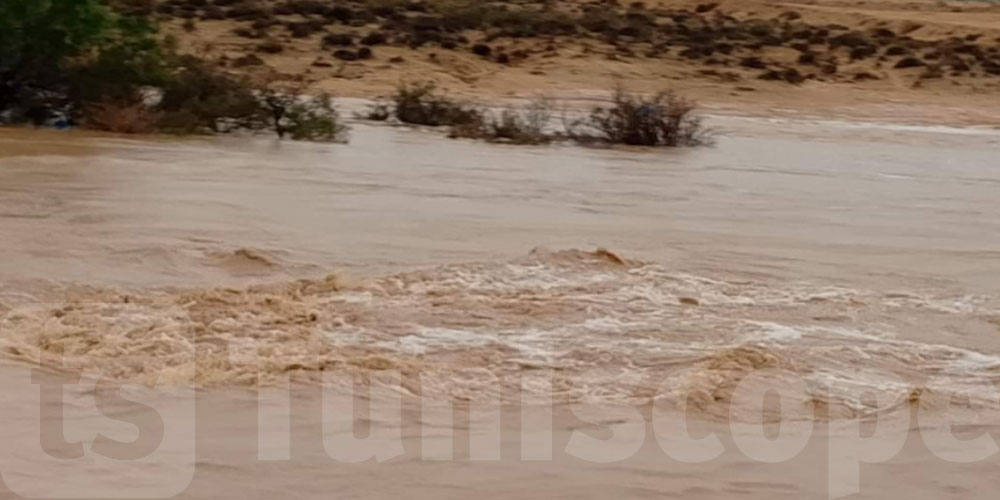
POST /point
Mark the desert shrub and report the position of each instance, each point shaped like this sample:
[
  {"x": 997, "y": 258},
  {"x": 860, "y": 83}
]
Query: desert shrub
[
  {"x": 909, "y": 62},
  {"x": 526, "y": 125},
  {"x": 247, "y": 60},
  {"x": 290, "y": 112},
  {"x": 863, "y": 52},
  {"x": 345, "y": 55},
  {"x": 338, "y": 40},
  {"x": 304, "y": 7},
  {"x": 303, "y": 29},
  {"x": 851, "y": 39},
  {"x": 790, "y": 75},
  {"x": 464, "y": 15},
  {"x": 378, "y": 112},
  {"x": 315, "y": 119},
  {"x": 753, "y": 62},
  {"x": 481, "y": 49},
  {"x": 248, "y": 11},
  {"x": 271, "y": 47},
  {"x": 245, "y": 32},
  {"x": 601, "y": 20},
  {"x": 419, "y": 104},
  {"x": 759, "y": 28},
  {"x": 525, "y": 21},
  {"x": 956, "y": 63},
  {"x": 213, "y": 13},
  {"x": 344, "y": 14},
  {"x": 641, "y": 25},
  {"x": 374, "y": 38},
  {"x": 200, "y": 99},
  {"x": 263, "y": 25},
  {"x": 665, "y": 119},
  {"x": 532, "y": 22},
  {"x": 386, "y": 7}
]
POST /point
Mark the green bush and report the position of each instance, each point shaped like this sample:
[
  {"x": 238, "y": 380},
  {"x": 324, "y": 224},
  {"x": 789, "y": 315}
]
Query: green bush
[
  {"x": 133, "y": 59},
  {"x": 79, "y": 60},
  {"x": 289, "y": 112},
  {"x": 197, "y": 98},
  {"x": 58, "y": 55}
]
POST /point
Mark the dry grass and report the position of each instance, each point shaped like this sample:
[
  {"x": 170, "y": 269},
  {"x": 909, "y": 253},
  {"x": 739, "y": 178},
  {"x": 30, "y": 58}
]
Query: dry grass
[{"x": 122, "y": 117}]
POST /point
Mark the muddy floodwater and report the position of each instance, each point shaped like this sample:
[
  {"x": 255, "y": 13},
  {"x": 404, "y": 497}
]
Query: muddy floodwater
[
  {"x": 883, "y": 206},
  {"x": 864, "y": 259}
]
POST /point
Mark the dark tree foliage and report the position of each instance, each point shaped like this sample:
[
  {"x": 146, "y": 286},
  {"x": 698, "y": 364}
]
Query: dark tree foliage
[{"x": 57, "y": 54}]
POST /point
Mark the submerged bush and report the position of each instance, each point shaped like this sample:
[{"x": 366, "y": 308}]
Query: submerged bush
[
  {"x": 201, "y": 99},
  {"x": 526, "y": 125},
  {"x": 419, "y": 104},
  {"x": 664, "y": 119},
  {"x": 378, "y": 112},
  {"x": 302, "y": 118}
]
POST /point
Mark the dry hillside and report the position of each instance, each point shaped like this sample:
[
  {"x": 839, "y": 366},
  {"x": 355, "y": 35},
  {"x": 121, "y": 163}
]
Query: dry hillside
[{"x": 884, "y": 59}]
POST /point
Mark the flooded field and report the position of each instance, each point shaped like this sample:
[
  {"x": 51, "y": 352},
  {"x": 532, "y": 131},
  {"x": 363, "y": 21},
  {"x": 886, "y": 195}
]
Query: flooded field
[
  {"x": 862, "y": 258},
  {"x": 831, "y": 203}
]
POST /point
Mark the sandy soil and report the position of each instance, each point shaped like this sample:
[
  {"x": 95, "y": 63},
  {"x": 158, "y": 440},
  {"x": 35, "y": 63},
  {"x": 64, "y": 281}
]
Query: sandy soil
[{"x": 584, "y": 69}]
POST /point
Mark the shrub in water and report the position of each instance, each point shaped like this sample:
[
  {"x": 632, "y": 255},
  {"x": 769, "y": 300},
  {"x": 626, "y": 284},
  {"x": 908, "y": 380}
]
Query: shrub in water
[
  {"x": 378, "y": 112},
  {"x": 419, "y": 104},
  {"x": 664, "y": 119},
  {"x": 525, "y": 125},
  {"x": 300, "y": 117},
  {"x": 201, "y": 99}
]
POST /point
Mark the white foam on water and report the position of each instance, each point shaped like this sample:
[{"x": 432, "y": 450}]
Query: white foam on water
[
  {"x": 425, "y": 339},
  {"x": 774, "y": 332}
]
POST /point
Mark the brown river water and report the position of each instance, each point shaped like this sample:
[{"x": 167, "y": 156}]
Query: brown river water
[{"x": 863, "y": 259}]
